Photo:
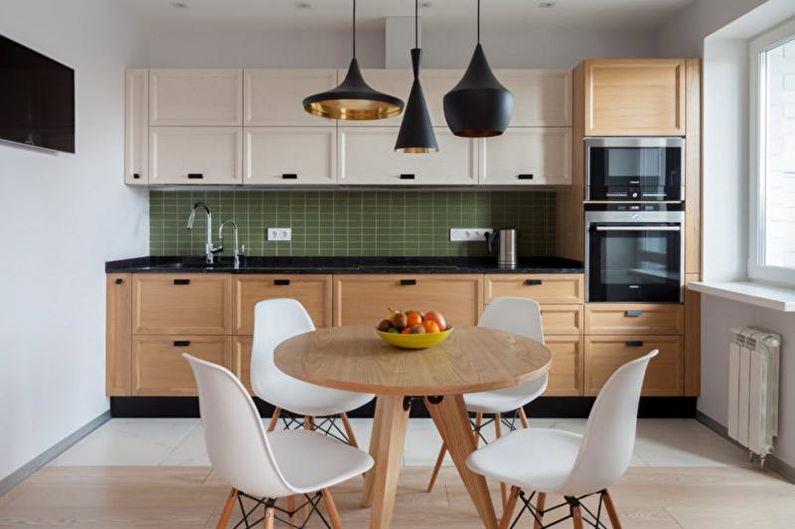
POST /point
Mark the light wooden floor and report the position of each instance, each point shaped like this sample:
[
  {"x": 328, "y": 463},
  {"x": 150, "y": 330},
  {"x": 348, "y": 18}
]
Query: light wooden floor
[{"x": 191, "y": 497}]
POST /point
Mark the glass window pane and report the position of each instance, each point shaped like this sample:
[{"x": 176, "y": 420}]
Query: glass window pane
[{"x": 777, "y": 171}]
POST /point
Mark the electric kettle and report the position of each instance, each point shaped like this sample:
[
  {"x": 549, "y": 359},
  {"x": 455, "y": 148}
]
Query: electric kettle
[{"x": 507, "y": 252}]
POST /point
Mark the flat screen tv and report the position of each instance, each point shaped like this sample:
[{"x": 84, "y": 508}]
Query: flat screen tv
[{"x": 37, "y": 99}]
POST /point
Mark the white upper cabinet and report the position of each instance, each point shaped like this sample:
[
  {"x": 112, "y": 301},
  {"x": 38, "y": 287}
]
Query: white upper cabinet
[
  {"x": 195, "y": 155},
  {"x": 290, "y": 155},
  {"x": 542, "y": 98},
  {"x": 397, "y": 82},
  {"x": 367, "y": 157},
  {"x": 136, "y": 127},
  {"x": 189, "y": 97},
  {"x": 527, "y": 156},
  {"x": 274, "y": 97}
]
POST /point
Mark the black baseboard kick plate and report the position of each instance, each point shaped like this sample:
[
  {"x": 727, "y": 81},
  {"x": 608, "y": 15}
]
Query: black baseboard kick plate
[{"x": 544, "y": 407}]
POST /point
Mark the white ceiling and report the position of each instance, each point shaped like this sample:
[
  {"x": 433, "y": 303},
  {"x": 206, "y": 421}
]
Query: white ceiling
[{"x": 335, "y": 14}]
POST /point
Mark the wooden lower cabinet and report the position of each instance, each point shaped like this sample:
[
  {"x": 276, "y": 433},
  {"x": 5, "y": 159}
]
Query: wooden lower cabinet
[
  {"x": 365, "y": 298},
  {"x": 159, "y": 369},
  {"x": 118, "y": 334},
  {"x": 566, "y": 371},
  {"x": 313, "y": 291},
  {"x": 634, "y": 318},
  {"x": 544, "y": 288},
  {"x": 605, "y": 354},
  {"x": 241, "y": 359},
  {"x": 561, "y": 319}
]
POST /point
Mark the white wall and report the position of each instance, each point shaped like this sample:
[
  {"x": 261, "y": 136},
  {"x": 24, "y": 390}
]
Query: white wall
[{"x": 64, "y": 216}]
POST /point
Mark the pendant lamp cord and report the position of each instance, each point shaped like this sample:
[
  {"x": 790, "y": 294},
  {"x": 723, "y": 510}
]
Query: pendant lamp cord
[
  {"x": 416, "y": 23},
  {"x": 354, "y": 28},
  {"x": 478, "y": 21}
]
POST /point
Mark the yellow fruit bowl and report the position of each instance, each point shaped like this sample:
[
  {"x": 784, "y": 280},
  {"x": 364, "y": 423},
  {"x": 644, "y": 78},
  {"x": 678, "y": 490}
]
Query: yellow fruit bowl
[{"x": 415, "y": 341}]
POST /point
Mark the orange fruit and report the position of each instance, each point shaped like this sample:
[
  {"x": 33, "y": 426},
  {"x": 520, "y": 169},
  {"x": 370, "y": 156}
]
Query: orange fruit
[
  {"x": 437, "y": 317},
  {"x": 431, "y": 327},
  {"x": 414, "y": 318},
  {"x": 406, "y": 330}
]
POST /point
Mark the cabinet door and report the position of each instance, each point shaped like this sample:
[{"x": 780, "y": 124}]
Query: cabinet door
[
  {"x": 527, "y": 156},
  {"x": 312, "y": 291},
  {"x": 634, "y": 318},
  {"x": 605, "y": 354},
  {"x": 290, "y": 155},
  {"x": 118, "y": 337},
  {"x": 275, "y": 97},
  {"x": 195, "y": 155},
  {"x": 367, "y": 157},
  {"x": 182, "y": 304},
  {"x": 136, "y": 127},
  {"x": 542, "y": 98},
  {"x": 397, "y": 82},
  {"x": 241, "y": 359},
  {"x": 635, "y": 97},
  {"x": 195, "y": 97},
  {"x": 565, "y": 373},
  {"x": 562, "y": 319},
  {"x": 160, "y": 370},
  {"x": 544, "y": 288},
  {"x": 365, "y": 298}
]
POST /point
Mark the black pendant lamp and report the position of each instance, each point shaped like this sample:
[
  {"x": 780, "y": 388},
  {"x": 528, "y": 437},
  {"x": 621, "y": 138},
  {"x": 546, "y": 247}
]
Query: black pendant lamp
[
  {"x": 478, "y": 106},
  {"x": 416, "y": 132},
  {"x": 353, "y": 99}
]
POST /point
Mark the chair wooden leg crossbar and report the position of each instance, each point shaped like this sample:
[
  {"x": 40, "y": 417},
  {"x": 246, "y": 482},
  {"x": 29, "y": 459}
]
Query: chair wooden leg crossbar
[
  {"x": 251, "y": 518},
  {"x": 325, "y": 425},
  {"x": 578, "y": 512}
]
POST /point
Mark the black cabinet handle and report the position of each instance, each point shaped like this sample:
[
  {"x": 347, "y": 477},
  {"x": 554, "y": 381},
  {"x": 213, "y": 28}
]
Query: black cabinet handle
[
  {"x": 281, "y": 282},
  {"x": 524, "y": 176},
  {"x": 182, "y": 281},
  {"x": 533, "y": 282},
  {"x": 408, "y": 282},
  {"x": 634, "y": 343},
  {"x": 195, "y": 176},
  {"x": 289, "y": 176},
  {"x": 181, "y": 343},
  {"x": 136, "y": 176},
  {"x": 634, "y": 313},
  {"x": 119, "y": 281},
  {"x": 407, "y": 176}
]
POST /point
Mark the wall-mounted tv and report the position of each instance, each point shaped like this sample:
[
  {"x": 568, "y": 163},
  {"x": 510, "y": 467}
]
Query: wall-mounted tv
[{"x": 37, "y": 98}]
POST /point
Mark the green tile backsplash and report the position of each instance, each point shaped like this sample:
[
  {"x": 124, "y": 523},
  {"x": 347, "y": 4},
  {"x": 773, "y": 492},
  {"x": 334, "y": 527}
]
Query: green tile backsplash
[{"x": 356, "y": 223}]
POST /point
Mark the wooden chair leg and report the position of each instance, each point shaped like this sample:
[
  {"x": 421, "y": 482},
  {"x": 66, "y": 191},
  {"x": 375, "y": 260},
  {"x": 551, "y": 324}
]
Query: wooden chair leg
[
  {"x": 227, "y": 512},
  {"x": 478, "y": 423},
  {"x": 331, "y": 507},
  {"x": 576, "y": 516},
  {"x": 437, "y": 467},
  {"x": 523, "y": 418},
  {"x": 291, "y": 507},
  {"x": 507, "y": 511},
  {"x": 309, "y": 423},
  {"x": 349, "y": 430},
  {"x": 498, "y": 432},
  {"x": 541, "y": 502},
  {"x": 277, "y": 413},
  {"x": 269, "y": 517},
  {"x": 611, "y": 510}
]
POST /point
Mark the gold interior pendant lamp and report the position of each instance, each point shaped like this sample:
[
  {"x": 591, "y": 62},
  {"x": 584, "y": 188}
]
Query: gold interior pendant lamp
[{"x": 353, "y": 99}]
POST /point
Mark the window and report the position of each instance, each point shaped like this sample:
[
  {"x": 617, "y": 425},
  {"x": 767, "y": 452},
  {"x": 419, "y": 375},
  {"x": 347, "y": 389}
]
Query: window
[{"x": 772, "y": 156}]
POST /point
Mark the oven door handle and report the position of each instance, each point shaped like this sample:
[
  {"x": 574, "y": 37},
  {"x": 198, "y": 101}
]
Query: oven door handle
[{"x": 638, "y": 228}]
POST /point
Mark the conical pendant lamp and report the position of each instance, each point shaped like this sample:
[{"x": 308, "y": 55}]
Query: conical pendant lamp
[
  {"x": 416, "y": 132},
  {"x": 353, "y": 99},
  {"x": 478, "y": 106}
]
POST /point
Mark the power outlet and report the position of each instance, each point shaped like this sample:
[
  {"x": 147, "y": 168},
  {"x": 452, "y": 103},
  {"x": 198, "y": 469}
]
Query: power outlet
[
  {"x": 469, "y": 234},
  {"x": 280, "y": 234}
]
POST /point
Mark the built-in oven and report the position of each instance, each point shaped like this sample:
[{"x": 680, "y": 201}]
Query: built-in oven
[
  {"x": 634, "y": 252},
  {"x": 634, "y": 169}
]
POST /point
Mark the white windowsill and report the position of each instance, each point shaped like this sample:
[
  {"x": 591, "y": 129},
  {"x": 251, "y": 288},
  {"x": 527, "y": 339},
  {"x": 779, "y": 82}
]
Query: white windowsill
[{"x": 760, "y": 294}]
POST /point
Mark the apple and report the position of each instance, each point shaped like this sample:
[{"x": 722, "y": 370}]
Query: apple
[{"x": 436, "y": 316}]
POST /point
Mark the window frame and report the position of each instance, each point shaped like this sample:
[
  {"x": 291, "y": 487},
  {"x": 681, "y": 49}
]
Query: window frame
[{"x": 760, "y": 44}]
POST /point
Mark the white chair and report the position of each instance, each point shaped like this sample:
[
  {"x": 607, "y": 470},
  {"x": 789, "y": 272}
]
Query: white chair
[
  {"x": 276, "y": 320},
  {"x": 520, "y": 316},
  {"x": 264, "y": 466},
  {"x": 539, "y": 461}
]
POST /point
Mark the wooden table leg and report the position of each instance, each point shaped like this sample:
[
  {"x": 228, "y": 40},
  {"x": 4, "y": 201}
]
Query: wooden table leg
[
  {"x": 452, "y": 421},
  {"x": 386, "y": 447},
  {"x": 369, "y": 476}
]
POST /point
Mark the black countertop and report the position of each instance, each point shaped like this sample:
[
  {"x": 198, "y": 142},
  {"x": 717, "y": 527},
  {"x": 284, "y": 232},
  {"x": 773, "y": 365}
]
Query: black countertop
[{"x": 344, "y": 265}]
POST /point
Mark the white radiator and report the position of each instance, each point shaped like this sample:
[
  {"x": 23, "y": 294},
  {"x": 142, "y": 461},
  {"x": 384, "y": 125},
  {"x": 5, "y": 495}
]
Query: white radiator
[{"x": 753, "y": 389}]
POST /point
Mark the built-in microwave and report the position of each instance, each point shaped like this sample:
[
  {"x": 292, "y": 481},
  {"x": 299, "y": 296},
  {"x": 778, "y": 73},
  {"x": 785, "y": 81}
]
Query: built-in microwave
[
  {"x": 634, "y": 169},
  {"x": 634, "y": 252}
]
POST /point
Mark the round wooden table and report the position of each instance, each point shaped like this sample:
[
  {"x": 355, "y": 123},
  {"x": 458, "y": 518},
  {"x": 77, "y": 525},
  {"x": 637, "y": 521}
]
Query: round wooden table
[{"x": 473, "y": 359}]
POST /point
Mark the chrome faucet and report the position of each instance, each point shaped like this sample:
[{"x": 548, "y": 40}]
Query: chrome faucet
[
  {"x": 236, "y": 253},
  {"x": 210, "y": 248}
]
